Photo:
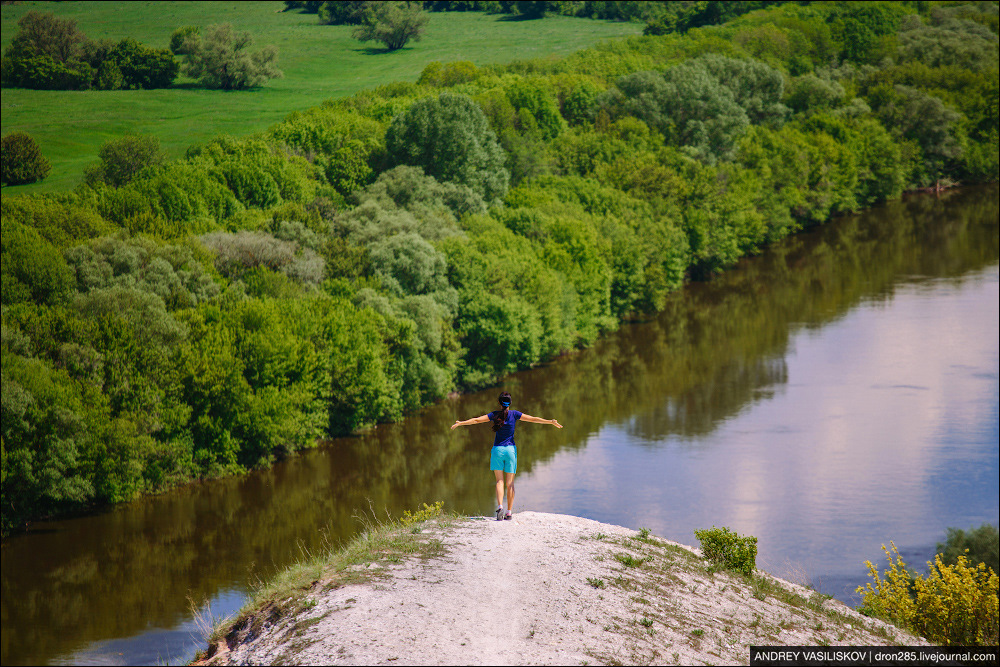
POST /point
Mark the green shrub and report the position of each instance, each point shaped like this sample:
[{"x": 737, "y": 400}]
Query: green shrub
[
  {"x": 61, "y": 219},
  {"x": 141, "y": 66},
  {"x": 727, "y": 548},
  {"x": 23, "y": 162},
  {"x": 448, "y": 74},
  {"x": 49, "y": 53},
  {"x": 179, "y": 36},
  {"x": 42, "y": 72}
]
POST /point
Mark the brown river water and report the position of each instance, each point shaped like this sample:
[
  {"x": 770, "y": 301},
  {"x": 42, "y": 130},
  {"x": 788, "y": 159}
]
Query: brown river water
[{"x": 835, "y": 393}]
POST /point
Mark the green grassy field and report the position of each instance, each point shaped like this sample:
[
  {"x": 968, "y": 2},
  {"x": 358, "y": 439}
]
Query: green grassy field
[{"x": 319, "y": 61}]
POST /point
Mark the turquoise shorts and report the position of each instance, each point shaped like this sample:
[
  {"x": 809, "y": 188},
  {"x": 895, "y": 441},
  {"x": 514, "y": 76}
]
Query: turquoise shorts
[{"x": 504, "y": 458}]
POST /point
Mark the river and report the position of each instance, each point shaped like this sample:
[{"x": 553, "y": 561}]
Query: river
[{"x": 835, "y": 393}]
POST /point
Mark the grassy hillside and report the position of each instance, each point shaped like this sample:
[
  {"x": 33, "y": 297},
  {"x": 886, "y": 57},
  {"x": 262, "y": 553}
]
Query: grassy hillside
[{"x": 320, "y": 62}]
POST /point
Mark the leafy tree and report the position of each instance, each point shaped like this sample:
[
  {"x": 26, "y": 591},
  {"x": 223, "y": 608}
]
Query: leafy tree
[
  {"x": 926, "y": 120},
  {"x": 704, "y": 104},
  {"x": 222, "y": 58},
  {"x": 345, "y": 144},
  {"x": 45, "y": 436},
  {"x": 307, "y": 6},
  {"x": 810, "y": 93},
  {"x": 500, "y": 334},
  {"x": 948, "y": 42},
  {"x": 45, "y": 35},
  {"x": 533, "y": 9},
  {"x": 392, "y": 22},
  {"x": 60, "y": 219},
  {"x": 983, "y": 545},
  {"x": 537, "y": 108},
  {"x": 23, "y": 161},
  {"x": 690, "y": 108},
  {"x": 451, "y": 139},
  {"x": 684, "y": 16},
  {"x": 409, "y": 265},
  {"x": 756, "y": 87},
  {"x": 122, "y": 159},
  {"x": 181, "y": 35},
  {"x": 344, "y": 12},
  {"x": 364, "y": 385},
  {"x": 866, "y": 29}
]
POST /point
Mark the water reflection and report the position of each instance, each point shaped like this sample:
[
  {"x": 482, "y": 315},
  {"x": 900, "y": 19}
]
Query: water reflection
[{"x": 835, "y": 393}]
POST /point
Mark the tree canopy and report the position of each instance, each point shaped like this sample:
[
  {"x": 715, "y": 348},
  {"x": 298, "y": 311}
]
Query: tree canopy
[{"x": 450, "y": 138}]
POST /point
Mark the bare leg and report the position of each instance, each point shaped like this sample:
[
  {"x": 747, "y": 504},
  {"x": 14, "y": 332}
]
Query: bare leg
[
  {"x": 509, "y": 483},
  {"x": 499, "y": 475}
]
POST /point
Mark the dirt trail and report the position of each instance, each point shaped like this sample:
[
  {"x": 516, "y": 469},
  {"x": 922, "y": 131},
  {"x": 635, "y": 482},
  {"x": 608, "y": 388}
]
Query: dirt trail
[{"x": 553, "y": 589}]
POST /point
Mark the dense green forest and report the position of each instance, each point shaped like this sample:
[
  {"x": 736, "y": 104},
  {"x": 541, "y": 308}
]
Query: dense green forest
[{"x": 170, "y": 320}]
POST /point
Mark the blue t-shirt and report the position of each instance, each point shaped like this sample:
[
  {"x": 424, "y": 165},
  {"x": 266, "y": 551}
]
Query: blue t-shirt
[{"x": 505, "y": 436}]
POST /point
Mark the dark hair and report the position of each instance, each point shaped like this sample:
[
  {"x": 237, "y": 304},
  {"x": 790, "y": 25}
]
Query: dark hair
[{"x": 501, "y": 415}]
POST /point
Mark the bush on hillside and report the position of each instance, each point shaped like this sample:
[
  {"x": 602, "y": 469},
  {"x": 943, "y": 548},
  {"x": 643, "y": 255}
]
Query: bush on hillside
[
  {"x": 49, "y": 53},
  {"x": 44, "y": 73},
  {"x": 307, "y": 6},
  {"x": 43, "y": 34},
  {"x": 341, "y": 12},
  {"x": 221, "y": 58},
  {"x": 122, "y": 159},
  {"x": 180, "y": 36},
  {"x": 23, "y": 161},
  {"x": 392, "y": 22},
  {"x": 727, "y": 548},
  {"x": 128, "y": 65}
]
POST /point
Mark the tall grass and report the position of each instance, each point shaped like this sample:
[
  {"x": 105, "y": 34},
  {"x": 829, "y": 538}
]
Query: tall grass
[{"x": 320, "y": 62}]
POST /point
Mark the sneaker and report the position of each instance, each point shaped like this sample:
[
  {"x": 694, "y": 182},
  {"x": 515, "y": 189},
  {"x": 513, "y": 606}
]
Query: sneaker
[
  {"x": 508, "y": 516},
  {"x": 499, "y": 512}
]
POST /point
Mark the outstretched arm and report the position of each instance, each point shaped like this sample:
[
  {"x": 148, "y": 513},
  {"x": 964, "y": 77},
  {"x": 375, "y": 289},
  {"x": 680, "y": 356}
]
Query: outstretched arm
[
  {"x": 539, "y": 420},
  {"x": 470, "y": 422}
]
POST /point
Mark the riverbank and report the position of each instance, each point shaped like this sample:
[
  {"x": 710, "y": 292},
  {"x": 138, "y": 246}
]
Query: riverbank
[{"x": 540, "y": 589}]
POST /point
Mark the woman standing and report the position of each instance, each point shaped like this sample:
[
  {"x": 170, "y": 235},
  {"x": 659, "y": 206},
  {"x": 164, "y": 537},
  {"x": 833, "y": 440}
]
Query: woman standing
[{"x": 503, "y": 460}]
